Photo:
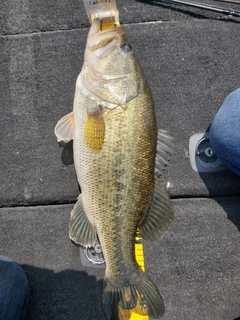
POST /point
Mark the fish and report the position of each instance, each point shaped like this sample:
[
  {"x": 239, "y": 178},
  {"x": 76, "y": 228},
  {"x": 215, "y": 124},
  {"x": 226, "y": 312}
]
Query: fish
[{"x": 119, "y": 157}]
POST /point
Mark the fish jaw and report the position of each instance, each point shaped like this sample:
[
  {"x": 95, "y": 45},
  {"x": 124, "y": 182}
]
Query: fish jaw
[
  {"x": 98, "y": 39},
  {"x": 110, "y": 72}
]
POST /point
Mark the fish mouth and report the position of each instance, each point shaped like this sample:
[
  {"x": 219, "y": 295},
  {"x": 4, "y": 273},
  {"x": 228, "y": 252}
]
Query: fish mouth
[{"x": 103, "y": 42}]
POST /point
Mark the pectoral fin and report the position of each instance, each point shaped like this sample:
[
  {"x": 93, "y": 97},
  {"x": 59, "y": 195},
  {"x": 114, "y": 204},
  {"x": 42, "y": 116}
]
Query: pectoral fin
[
  {"x": 65, "y": 127},
  {"x": 80, "y": 229},
  {"x": 160, "y": 215}
]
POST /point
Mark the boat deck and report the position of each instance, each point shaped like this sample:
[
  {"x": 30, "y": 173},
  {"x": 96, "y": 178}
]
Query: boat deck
[{"x": 191, "y": 60}]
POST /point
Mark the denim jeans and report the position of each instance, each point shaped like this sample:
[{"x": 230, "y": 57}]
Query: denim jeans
[
  {"x": 225, "y": 132},
  {"x": 14, "y": 290}
]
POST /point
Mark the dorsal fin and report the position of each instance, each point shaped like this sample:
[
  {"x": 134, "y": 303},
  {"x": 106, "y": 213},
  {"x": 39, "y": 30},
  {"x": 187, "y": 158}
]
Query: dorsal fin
[{"x": 164, "y": 151}]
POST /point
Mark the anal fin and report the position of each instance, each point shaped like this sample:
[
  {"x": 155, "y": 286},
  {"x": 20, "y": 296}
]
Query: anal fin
[{"x": 80, "y": 229}]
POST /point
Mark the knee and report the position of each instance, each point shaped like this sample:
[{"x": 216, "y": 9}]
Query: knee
[
  {"x": 219, "y": 140},
  {"x": 14, "y": 290},
  {"x": 224, "y": 131},
  {"x": 225, "y": 126},
  {"x": 12, "y": 272}
]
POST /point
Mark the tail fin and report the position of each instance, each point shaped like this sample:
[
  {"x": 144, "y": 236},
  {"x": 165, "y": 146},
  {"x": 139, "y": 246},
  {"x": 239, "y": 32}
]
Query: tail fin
[{"x": 133, "y": 294}]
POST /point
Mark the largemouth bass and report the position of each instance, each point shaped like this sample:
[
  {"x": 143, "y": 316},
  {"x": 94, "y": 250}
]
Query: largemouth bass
[{"x": 119, "y": 155}]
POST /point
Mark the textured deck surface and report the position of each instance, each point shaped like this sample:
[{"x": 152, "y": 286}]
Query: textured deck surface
[{"x": 191, "y": 60}]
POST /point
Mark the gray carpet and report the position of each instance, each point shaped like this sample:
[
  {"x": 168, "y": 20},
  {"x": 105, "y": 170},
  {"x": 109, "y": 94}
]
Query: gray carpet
[
  {"x": 195, "y": 264},
  {"x": 191, "y": 60}
]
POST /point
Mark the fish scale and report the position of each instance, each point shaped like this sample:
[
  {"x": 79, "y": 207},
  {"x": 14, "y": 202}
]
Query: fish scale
[{"x": 119, "y": 139}]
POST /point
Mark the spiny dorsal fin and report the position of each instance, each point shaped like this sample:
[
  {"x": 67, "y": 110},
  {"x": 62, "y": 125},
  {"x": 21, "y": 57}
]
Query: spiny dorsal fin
[
  {"x": 80, "y": 229},
  {"x": 65, "y": 128},
  {"x": 164, "y": 151}
]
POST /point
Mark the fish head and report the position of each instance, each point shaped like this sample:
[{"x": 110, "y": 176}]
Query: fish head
[{"x": 111, "y": 72}]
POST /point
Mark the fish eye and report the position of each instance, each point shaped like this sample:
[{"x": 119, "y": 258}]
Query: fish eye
[{"x": 126, "y": 47}]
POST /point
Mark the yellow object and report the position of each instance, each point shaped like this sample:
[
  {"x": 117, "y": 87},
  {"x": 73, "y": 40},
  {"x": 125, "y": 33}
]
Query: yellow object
[
  {"x": 102, "y": 9},
  {"x": 139, "y": 254},
  {"x": 109, "y": 23},
  {"x": 135, "y": 316}
]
